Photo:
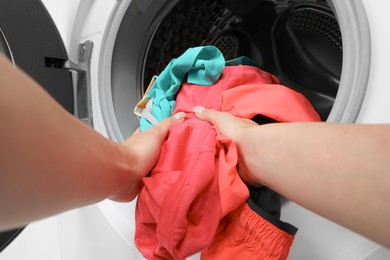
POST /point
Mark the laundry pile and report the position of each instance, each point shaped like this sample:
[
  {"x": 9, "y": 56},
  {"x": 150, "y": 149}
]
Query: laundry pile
[{"x": 193, "y": 200}]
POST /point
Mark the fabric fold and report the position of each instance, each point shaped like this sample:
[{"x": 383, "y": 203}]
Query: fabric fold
[{"x": 202, "y": 65}]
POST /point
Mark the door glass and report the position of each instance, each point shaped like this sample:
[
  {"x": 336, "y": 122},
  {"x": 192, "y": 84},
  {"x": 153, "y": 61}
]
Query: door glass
[{"x": 4, "y": 49}]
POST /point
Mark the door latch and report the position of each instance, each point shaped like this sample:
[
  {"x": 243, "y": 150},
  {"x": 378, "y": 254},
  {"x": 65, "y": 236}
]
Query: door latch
[{"x": 81, "y": 75}]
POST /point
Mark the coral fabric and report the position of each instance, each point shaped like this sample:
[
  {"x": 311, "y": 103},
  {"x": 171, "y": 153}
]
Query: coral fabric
[
  {"x": 246, "y": 235},
  {"x": 195, "y": 183}
]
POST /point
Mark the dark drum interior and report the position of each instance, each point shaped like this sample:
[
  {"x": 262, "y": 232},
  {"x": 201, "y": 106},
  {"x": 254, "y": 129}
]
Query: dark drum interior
[{"x": 298, "y": 41}]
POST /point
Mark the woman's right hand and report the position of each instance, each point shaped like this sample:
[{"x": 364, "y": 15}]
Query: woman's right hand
[
  {"x": 237, "y": 129},
  {"x": 325, "y": 167}
]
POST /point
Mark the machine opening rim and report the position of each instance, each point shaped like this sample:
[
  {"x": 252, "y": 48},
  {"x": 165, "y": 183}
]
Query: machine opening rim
[
  {"x": 120, "y": 85},
  {"x": 353, "y": 81}
]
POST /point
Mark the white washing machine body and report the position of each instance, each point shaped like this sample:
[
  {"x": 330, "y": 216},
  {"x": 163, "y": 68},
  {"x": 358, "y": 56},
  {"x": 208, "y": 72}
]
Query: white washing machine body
[{"x": 106, "y": 230}]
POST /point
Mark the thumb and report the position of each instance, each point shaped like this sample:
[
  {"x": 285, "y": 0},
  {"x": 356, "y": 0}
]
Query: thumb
[
  {"x": 219, "y": 119},
  {"x": 163, "y": 127},
  {"x": 226, "y": 123}
]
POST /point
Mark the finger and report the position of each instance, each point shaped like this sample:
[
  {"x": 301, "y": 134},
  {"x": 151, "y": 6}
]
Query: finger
[
  {"x": 227, "y": 124},
  {"x": 209, "y": 115},
  {"x": 137, "y": 131},
  {"x": 213, "y": 116},
  {"x": 163, "y": 127}
]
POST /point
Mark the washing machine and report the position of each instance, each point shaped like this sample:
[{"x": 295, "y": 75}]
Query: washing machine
[{"x": 95, "y": 57}]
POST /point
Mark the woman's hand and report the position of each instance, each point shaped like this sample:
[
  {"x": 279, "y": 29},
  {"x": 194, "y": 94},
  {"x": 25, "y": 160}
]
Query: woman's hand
[
  {"x": 144, "y": 151},
  {"x": 237, "y": 129}
]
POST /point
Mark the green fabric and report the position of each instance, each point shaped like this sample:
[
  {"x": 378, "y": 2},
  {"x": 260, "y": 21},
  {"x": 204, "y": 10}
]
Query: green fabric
[
  {"x": 243, "y": 60},
  {"x": 203, "y": 65}
]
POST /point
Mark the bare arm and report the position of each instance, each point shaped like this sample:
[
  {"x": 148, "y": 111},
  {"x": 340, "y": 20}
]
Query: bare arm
[
  {"x": 51, "y": 162},
  {"x": 341, "y": 172}
]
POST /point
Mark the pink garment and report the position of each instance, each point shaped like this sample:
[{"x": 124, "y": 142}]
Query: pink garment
[
  {"x": 244, "y": 234},
  {"x": 195, "y": 181}
]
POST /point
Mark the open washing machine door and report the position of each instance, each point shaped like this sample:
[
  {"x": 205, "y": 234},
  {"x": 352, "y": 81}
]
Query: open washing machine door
[
  {"x": 57, "y": 43},
  {"x": 28, "y": 38}
]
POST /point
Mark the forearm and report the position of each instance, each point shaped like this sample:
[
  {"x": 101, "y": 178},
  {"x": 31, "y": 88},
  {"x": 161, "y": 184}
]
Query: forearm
[
  {"x": 50, "y": 161},
  {"x": 338, "y": 171}
]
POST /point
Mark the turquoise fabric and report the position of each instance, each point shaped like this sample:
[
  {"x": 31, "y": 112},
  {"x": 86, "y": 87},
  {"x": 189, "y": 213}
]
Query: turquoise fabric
[
  {"x": 203, "y": 65},
  {"x": 243, "y": 60}
]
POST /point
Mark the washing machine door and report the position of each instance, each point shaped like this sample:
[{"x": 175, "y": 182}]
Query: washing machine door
[{"x": 30, "y": 40}]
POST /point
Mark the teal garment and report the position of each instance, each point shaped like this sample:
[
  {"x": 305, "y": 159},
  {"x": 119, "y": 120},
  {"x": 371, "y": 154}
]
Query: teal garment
[
  {"x": 203, "y": 65},
  {"x": 243, "y": 60}
]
